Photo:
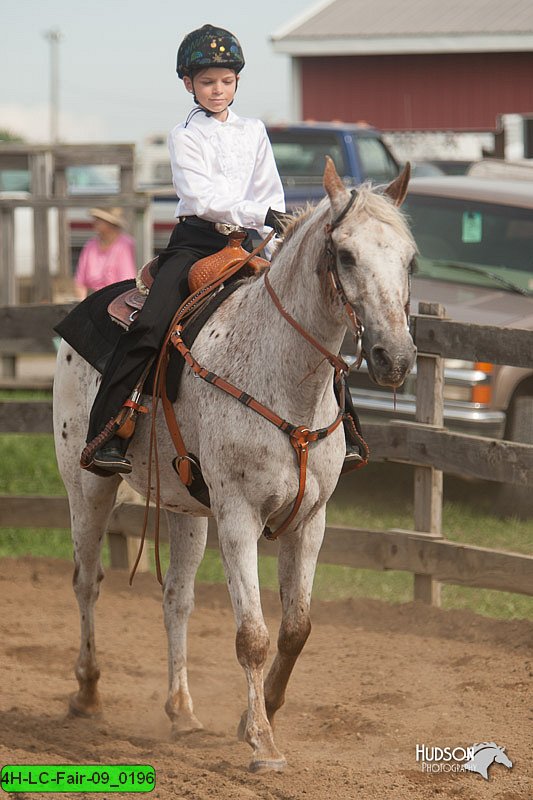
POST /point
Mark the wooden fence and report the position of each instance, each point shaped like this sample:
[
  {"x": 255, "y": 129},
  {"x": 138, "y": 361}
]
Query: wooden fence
[
  {"x": 46, "y": 166},
  {"x": 424, "y": 443}
]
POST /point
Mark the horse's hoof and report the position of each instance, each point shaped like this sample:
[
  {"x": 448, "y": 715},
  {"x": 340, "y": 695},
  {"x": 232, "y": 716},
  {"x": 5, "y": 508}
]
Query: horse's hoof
[
  {"x": 268, "y": 765},
  {"x": 78, "y": 709},
  {"x": 182, "y": 726}
]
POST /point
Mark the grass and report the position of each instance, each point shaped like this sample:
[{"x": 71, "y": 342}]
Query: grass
[
  {"x": 8, "y": 395},
  {"x": 379, "y": 496}
]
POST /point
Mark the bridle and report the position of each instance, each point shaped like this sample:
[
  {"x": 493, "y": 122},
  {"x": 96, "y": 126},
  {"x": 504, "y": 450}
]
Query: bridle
[{"x": 354, "y": 324}]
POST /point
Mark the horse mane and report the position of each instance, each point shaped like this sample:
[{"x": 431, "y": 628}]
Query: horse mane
[{"x": 368, "y": 203}]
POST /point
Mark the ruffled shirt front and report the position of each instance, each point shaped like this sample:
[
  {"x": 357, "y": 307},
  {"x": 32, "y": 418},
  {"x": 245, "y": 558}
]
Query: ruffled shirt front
[{"x": 225, "y": 171}]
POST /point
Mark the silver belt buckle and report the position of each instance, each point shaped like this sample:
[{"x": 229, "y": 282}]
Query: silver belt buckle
[{"x": 226, "y": 228}]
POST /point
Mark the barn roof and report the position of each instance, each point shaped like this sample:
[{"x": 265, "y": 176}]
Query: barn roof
[{"x": 339, "y": 27}]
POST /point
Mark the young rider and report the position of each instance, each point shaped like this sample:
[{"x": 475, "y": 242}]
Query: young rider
[{"x": 225, "y": 176}]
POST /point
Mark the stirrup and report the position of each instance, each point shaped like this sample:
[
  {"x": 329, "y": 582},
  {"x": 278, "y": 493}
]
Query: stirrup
[{"x": 353, "y": 457}]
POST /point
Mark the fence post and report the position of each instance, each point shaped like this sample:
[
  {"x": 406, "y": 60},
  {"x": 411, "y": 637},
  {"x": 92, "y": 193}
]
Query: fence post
[
  {"x": 428, "y": 480},
  {"x": 40, "y": 189},
  {"x": 123, "y": 552},
  {"x": 8, "y": 286},
  {"x": 8, "y": 289},
  {"x": 127, "y": 186},
  {"x": 144, "y": 235},
  {"x": 63, "y": 233}
]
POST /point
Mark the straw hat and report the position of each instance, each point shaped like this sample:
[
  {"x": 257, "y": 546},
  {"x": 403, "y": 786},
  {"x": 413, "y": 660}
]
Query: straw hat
[{"x": 113, "y": 215}]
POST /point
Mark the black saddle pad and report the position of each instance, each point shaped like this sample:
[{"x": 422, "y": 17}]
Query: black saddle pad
[{"x": 90, "y": 331}]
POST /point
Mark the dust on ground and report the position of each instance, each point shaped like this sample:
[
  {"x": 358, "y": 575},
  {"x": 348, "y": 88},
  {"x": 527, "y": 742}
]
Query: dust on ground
[{"x": 373, "y": 681}]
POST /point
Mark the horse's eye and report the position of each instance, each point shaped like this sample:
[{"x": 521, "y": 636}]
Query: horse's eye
[
  {"x": 346, "y": 258},
  {"x": 413, "y": 266}
]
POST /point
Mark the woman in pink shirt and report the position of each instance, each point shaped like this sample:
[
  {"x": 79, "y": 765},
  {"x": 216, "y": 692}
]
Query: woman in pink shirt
[{"x": 107, "y": 258}]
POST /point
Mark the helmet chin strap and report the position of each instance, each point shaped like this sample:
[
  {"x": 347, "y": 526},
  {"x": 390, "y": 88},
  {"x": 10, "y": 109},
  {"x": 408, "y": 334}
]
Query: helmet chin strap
[{"x": 204, "y": 109}]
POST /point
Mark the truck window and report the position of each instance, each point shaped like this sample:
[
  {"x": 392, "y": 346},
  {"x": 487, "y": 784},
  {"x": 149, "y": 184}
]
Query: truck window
[
  {"x": 300, "y": 156},
  {"x": 491, "y": 235},
  {"x": 376, "y": 162}
]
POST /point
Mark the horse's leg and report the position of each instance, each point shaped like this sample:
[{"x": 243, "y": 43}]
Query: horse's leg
[
  {"x": 91, "y": 502},
  {"x": 297, "y": 563},
  {"x": 239, "y": 554},
  {"x": 188, "y": 536}
]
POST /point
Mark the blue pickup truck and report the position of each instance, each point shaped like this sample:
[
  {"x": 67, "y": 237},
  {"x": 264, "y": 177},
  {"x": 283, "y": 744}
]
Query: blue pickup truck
[{"x": 358, "y": 151}]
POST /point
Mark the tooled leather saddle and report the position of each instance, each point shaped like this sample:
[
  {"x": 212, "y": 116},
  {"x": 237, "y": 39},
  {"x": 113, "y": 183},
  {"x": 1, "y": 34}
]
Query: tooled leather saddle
[{"x": 124, "y": 308}]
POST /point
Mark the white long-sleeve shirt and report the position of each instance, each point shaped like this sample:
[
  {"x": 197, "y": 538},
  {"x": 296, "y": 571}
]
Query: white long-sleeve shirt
[{"x": 225, "y": 171}]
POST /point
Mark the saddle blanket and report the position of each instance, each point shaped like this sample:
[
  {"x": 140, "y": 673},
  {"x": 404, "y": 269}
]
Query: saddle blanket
[{"x": 89, "y": 329}]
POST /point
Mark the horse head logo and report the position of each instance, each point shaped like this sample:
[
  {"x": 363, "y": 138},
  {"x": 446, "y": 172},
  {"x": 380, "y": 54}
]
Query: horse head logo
[{"x": 485, "y": 754}]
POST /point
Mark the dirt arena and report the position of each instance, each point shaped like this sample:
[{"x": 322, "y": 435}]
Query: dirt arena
[{"x": 373, "y": 682}]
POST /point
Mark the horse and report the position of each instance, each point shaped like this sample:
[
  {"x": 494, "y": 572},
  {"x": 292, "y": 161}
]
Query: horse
[
  {"x": 485, "y": 754},
  {"x": 248, "y": 464}
]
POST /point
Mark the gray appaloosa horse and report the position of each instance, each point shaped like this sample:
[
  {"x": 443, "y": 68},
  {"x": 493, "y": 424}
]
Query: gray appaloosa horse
[{"x": 248, "y": 464}]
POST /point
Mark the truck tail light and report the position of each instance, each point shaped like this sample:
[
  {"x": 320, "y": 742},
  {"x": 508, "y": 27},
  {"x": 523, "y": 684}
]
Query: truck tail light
[{"x": 482, "y": 392}]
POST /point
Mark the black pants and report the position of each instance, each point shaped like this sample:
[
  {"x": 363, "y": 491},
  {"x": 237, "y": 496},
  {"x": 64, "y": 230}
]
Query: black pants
[{"x": 189, "y": 242}]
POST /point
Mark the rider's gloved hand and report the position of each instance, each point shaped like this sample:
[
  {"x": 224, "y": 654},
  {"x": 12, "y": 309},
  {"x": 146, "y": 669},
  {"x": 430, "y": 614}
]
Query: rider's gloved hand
[{"x": 277, "y": 220}]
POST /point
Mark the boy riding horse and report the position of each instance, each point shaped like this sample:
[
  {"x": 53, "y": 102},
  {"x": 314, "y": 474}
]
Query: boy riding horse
[{"x": 227, "y": 181}]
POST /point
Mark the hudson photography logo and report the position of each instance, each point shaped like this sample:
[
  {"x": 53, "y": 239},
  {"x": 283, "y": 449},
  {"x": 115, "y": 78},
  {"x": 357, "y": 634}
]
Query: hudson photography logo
[{"x": 476, "y": 758}]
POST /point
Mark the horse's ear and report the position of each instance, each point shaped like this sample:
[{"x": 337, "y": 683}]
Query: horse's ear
[
  {"x": 398, "y": 188},
  {"x": 335, "y": 188}
]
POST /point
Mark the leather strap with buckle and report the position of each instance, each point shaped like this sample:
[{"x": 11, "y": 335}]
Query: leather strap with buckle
[{"x": 226, "y": 228}]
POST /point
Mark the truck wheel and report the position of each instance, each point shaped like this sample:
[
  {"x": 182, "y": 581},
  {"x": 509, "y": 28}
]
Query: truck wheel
[{"x": 515, "y": 500}]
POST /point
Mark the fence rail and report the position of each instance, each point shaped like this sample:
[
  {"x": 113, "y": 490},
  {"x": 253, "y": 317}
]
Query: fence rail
[
  {"x": 408, "y": 551},
  {"x": 449, "y": 339},
  {"x": 429, "y": 447}
]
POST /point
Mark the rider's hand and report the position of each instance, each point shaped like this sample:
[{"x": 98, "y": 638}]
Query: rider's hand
[{"x": 277, "y": 220}]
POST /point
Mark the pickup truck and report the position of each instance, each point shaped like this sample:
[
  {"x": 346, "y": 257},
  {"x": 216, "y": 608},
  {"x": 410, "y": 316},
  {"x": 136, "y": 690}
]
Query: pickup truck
[
  {"x": 475, "y": 241},
  {"x": 358, "y": 151}
]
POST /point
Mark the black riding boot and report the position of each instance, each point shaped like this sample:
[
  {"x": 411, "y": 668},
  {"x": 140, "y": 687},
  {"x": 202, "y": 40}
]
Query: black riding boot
[
  {"x": 356, "y": 447},
  {"x": 111, "y": 457}
]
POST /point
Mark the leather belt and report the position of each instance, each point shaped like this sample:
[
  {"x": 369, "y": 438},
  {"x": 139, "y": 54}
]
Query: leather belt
[{"x": 220, "y": 227}]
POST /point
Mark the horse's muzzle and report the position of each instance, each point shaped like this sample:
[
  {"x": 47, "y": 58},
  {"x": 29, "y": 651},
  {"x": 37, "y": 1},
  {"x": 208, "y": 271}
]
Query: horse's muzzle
[{"x": 389, "y": 367}]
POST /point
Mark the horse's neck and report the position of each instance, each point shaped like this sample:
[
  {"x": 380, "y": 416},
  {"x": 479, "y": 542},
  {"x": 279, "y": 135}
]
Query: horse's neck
[{"x": 298, "y": 278}]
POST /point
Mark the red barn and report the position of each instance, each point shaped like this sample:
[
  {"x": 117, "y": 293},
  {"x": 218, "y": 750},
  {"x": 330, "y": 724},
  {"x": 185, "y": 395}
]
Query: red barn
[{"x": 417, "y": 65}]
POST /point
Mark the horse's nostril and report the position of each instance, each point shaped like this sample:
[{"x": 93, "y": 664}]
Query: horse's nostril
[{"x": 381, "y": 358}]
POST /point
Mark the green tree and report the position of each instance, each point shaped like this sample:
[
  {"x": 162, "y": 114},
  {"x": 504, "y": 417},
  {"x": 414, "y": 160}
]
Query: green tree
[{"x": 9, "y": 136}]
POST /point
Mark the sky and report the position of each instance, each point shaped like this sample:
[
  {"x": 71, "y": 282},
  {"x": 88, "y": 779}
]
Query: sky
[{"x": 117, "y": 61}]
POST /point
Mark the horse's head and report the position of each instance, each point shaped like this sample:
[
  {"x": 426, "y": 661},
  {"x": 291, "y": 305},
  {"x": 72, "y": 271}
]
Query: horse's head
[
  {"x": 372, "y": 254},
  {"x": 501, "y": 757},
  {"x": 485, "y": 754}
]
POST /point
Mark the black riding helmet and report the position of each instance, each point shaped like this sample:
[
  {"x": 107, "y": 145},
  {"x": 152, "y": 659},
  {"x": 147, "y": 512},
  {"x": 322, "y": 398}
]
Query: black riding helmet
[{"x": 209, "y": 46}]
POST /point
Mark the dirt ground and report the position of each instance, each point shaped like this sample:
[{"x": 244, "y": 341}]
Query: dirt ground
[{"x": 373, "y": 682}]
